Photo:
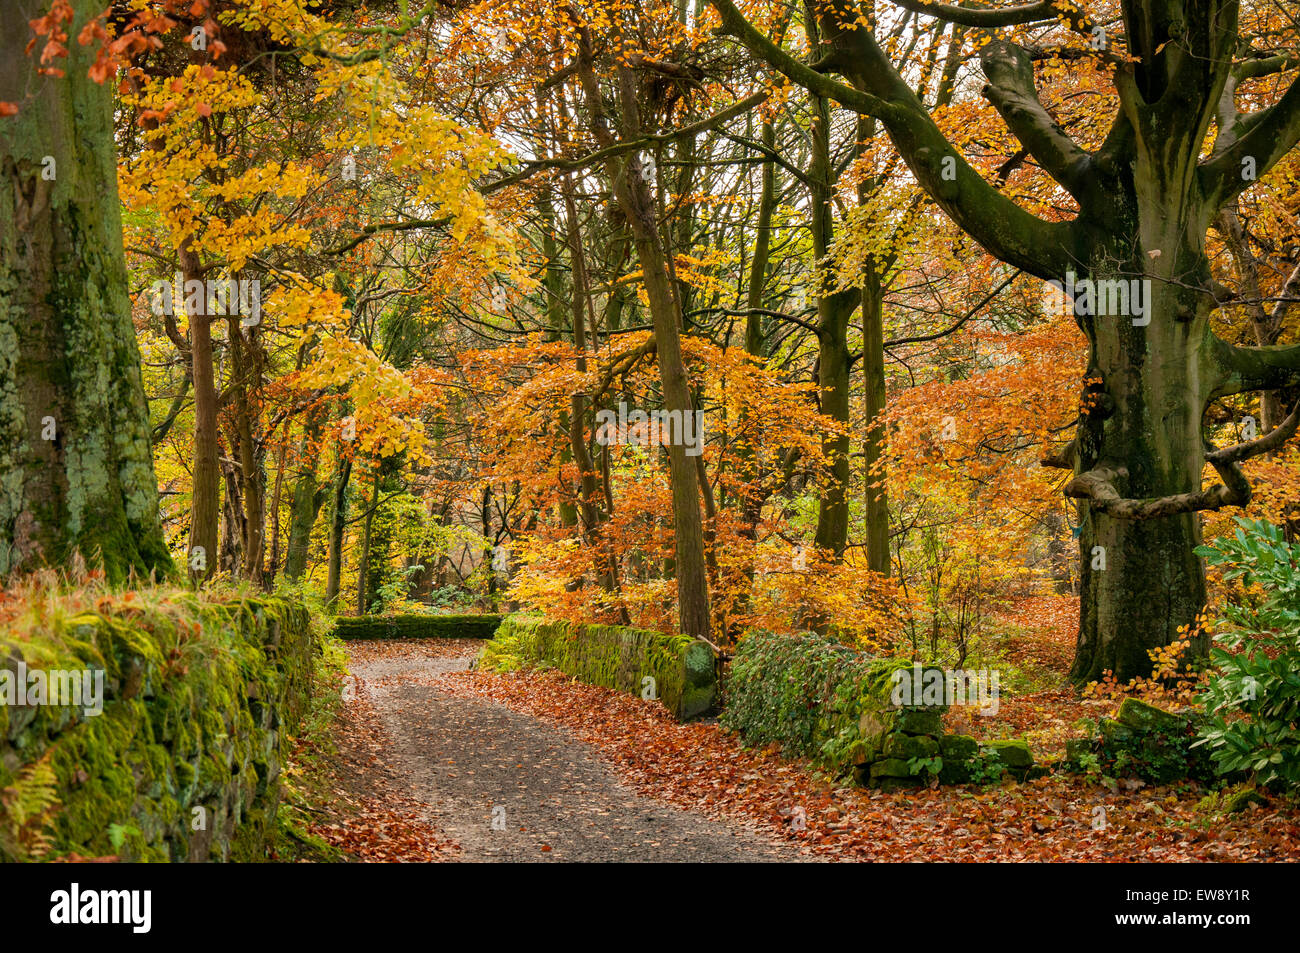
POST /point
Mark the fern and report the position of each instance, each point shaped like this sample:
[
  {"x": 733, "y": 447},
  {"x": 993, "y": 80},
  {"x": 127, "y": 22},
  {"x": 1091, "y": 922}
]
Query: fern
[{"x": 27, "y": 808}]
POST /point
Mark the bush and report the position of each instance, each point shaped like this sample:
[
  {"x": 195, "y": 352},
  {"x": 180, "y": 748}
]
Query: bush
[
  {"x": 1146, "y": 742},
  {"x": 819, "y": 699},
  {"x": 416, "y": 626},
  {"x": 1253, "y": 700}
]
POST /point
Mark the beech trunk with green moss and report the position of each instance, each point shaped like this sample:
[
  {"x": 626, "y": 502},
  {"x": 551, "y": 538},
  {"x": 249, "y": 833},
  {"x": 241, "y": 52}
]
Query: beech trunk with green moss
[{"x": 76, "y": 471}]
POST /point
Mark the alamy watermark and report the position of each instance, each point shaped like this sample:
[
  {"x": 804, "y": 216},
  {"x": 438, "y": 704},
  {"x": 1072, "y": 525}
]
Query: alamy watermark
[
  {"x": 83, "y": 688},
  {"x": 653, "y": 428},
  {"x": 1100, "y": 297},
  {"x": 222, "y": 296},
  {"x": 920, "y": 685},
  {"x": 73, "y": 906}
]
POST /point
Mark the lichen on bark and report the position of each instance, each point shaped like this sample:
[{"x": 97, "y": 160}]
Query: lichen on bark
[{"x": 76, "y": 471}]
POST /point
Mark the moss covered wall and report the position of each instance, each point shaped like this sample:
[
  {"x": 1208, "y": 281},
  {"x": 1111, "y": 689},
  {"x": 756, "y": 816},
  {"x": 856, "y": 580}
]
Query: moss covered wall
[
  {"x": 610, "y": 655},
  {"x": 184, "y": 762},
  {"x": 822, "y": 700}
]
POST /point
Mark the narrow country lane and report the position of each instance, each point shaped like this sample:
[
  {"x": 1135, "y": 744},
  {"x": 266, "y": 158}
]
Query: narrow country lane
[{"x": 507, "y": 787}]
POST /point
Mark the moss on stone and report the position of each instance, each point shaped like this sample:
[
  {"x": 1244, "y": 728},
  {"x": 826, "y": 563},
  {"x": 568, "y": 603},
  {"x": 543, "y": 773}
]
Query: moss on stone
[
  {"x": 958, "y": 747},
  {"x": 890, "y": 768},
  {"x": 1012, "y": 752},
  {"x": 675, "y": 669},
  {"x": 1139, "y": 716},
  {"x": 197, "y": 693},
  {"x": 910, "y": 746},
  {"x": 920, "y": 721}
]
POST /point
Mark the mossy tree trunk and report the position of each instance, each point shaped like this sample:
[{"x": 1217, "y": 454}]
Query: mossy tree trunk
[
  {"x": 1140, "y": 579},
  {"x": 76, "y": 470},
  {"x": 308, "y": 498},
  {"x": 873, "y": 363},
  {"x": 873, "y": 449},
  {"x": 834, "y": 309},
  {"x": 338, "y": 529}
]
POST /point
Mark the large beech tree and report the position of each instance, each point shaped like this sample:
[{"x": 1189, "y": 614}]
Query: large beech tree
[
  {"x": 1178, "y": 152},
  {"x": 76, "y": 470}
]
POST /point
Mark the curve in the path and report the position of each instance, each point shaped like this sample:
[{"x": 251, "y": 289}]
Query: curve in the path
[{"x": 510, "y": 788}]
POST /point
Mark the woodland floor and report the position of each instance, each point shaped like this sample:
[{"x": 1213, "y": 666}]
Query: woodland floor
[{"x": 426, "y": 750}]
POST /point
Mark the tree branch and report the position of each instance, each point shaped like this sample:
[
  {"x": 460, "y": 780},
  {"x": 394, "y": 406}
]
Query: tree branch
[
  {"x": 1271, "y": 441},
  {"x": 1097, "y": 486},
  {"x": 1244, "y": 369},
  {"x": 970, "y": 313},
  {"x": 982, "y": 16},
  {"x": 1045, "y": 249},
  {"x": 1010, "y": 89},
  {"x": 1264, "y": 137}
]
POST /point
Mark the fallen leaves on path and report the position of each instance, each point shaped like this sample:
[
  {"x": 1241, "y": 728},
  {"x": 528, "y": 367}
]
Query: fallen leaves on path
[
  {"x": 701, "y": 767},
  {"x": 1044, "y": 630},
  {"x": 371, "y": 817}
]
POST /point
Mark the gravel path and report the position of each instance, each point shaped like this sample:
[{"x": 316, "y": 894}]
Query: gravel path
[{"x": 509, "y": 788}]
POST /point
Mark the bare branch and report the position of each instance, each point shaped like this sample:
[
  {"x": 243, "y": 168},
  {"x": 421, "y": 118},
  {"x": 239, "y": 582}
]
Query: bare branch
[
  {"x": 1045, "y": 249},
  {"x": 981, "y": 16},
  {"x": 1271, "y": 441},
  {"x": 1097, "y": 488},
  {"x": 1010, "y": 89}
]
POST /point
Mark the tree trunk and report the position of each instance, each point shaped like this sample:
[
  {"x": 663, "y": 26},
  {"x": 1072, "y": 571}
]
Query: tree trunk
[
  {"x": 76, "y": 470},
  {"x": 873, "y": 447},
  {"x": 338, "y": 527},
  {"x": 246, "y": 370},
  {"x": 365, "y": 597},
  {"x": 205, "y": 498},
  {"x": 754, "y": 343},
  {"x": 307, "y": 501},
  {"x": 688, "y": 528},
  {"x": 638, "y": 205},
  {"x": 489, "y": 547},
  {"x": 834, "y": 309},
  {"x": 1140, "y": 580},
  {"x": 232, "y": 524},
  {"x": 273, "y": 510}
]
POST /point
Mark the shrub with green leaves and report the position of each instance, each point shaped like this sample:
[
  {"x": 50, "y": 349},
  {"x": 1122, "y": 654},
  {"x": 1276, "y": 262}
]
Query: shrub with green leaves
[
  {"x": 481, "y": 626},
  {"x": 1253, "y": 700},
  {"x": 1144, "y": 742}
]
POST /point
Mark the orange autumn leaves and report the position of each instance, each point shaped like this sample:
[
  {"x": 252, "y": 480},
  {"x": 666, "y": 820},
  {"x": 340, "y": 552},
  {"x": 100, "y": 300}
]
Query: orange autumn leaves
[{"x": 760, "y": 433}]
